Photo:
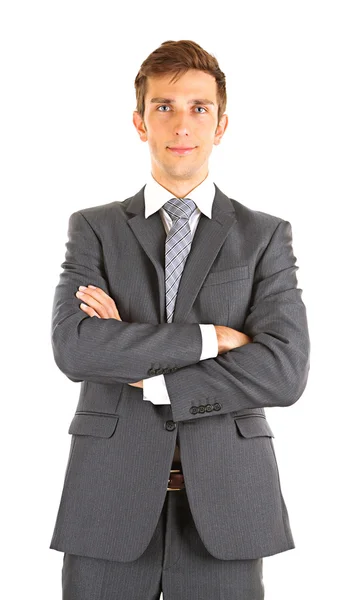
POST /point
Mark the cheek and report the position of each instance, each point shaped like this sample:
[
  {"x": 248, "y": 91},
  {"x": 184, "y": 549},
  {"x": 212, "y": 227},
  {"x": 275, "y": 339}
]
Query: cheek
[
  {"x": 205, "y": 148},
  {"x": 157, "y": 138},
  {"x": 206, "y": 138},
  {"x": 154, "y": 144}
]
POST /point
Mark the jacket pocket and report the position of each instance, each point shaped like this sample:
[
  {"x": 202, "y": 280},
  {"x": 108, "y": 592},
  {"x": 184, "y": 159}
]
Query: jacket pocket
[
  {"x": 233, "y": 274},
  {"x": 93, "y": 423},
  {"x": 253, "y": 426}
]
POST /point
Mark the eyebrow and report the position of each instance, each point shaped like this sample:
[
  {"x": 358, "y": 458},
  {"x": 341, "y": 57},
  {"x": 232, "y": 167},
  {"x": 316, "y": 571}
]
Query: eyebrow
[{"x": 172, "y": 101}]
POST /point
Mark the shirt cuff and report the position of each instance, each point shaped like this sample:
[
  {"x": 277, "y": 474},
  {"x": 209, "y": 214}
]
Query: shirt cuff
[
  {"x": 209, "y": 341},
  {"x": 155, "y": 390}
]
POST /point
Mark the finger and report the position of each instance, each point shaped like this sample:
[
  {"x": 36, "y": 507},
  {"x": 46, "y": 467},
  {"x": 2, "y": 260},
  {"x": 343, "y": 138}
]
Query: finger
[
  {"x": 100, "y": 295},
  {"x": 101, "y": 302},
  {"x": 104, "y": 299},
  {"x": 97, "y": 293},
  {"x": 90, "y": 311},
  {"x": 87, "y": 297}
]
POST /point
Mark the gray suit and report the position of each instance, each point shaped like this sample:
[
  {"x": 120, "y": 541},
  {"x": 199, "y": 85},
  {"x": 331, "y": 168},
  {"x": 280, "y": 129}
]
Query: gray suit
[{"x": 241, "y": 273}]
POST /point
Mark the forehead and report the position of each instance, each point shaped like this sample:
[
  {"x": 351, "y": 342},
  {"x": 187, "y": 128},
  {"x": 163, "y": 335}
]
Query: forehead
[{"x": 192, "y": 84}]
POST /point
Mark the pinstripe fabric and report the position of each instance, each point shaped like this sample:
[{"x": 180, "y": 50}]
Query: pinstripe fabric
[
  {"x": 177, "y": 246},
  {"x": 175, "y": 566},
  {"x": 241, "y": 273}
]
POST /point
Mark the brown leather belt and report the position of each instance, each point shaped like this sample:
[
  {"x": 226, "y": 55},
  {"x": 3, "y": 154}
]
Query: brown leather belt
[{"x": 176, "y": 480}]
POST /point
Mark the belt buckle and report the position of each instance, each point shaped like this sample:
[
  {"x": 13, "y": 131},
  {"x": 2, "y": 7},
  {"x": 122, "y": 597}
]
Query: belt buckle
[{"x": 174, "y": 489}]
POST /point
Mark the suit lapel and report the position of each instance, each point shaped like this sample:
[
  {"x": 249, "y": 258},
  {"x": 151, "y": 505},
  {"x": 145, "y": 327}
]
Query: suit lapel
[{"x": 208, "y": 239}]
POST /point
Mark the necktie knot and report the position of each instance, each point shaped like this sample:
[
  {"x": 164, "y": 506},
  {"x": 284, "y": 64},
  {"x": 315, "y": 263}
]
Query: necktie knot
[{"x": 180, "y": 208}]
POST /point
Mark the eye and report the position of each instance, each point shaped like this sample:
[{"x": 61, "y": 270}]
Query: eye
[{"x": 167, "y": 106}]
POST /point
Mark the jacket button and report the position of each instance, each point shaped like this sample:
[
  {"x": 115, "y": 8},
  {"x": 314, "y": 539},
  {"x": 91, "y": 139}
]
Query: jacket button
[
  {"x": 217, "y": 406},
  {"x": 209, "y": 407},
  {"x": 150, "y": 371},
  {"x": 202, "y": 408},
  {"x": 158, "y": 371},
  {"x": 173, "y": 369},
  {"x": 193, "y": 410},
  {"x": 170, "y": 425}
]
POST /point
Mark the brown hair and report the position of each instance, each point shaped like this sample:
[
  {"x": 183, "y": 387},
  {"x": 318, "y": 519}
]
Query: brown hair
[{"x": 176, "y": 58}]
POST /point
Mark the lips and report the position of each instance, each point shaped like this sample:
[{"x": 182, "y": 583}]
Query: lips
[{"x": 181, "y": 150}]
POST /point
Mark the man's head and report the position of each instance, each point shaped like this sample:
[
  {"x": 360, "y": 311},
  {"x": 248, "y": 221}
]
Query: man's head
[{"x": 181, "y": 99}]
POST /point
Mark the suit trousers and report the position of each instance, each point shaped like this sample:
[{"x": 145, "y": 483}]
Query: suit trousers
[{"x": 175, "y": 563}]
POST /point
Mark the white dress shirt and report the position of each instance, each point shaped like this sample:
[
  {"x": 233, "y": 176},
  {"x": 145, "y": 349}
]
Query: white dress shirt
[{"x": 155, "y": 196}]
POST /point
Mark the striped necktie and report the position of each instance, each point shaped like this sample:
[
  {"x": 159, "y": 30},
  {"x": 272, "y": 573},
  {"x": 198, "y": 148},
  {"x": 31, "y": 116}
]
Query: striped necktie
[{"x": 177, "y": 246}]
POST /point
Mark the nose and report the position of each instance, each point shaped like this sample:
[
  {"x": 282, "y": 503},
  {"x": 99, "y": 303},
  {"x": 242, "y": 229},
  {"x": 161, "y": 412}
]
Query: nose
[
  {"x": 181, "y": 132},
  {"x": 181, "y": 127}
]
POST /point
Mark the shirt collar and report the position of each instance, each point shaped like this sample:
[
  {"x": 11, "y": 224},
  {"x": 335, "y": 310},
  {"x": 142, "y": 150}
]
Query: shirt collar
[{"x": 155, "y": 195}]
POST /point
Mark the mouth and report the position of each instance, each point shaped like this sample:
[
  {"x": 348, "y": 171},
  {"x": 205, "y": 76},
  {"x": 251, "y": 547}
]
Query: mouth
[{"x": 181, "y": 150}]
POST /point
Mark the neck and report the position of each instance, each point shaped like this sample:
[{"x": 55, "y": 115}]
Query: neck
[{"x": 181, "y": 188}]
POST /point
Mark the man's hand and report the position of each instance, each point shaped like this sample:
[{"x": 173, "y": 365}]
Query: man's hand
[
  {"x": 137, "y": 384},
  {"x": 100, "y": 305},
  {"x": 229, "y": 338}
]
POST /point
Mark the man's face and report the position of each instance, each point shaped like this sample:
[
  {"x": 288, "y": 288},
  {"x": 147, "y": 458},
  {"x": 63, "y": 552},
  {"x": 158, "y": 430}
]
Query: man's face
[{"x": 181, "y": 114}]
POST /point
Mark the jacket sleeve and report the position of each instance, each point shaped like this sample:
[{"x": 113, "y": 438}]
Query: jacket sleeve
[
  {"x": 272, "y": 370},
  {"x": 108, "y": 350},
  {"x": 154, "y": 388}
]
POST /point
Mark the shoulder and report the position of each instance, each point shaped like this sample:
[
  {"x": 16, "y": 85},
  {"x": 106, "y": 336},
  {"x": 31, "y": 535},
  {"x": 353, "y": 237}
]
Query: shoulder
[
  {"x": 256, "y": 220},
  {"x": 102, "y": 214},
  {"x": 250, "y": 215}
]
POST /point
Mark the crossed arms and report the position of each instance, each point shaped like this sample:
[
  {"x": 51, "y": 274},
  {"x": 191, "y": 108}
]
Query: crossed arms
[{"x": 270, "y": 371}]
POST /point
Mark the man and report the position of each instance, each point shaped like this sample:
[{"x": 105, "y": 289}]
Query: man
[{"x": 178, "y": 311}]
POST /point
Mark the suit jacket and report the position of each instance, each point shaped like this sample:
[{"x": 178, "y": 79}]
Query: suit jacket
[{"x": 240, "y": 272}]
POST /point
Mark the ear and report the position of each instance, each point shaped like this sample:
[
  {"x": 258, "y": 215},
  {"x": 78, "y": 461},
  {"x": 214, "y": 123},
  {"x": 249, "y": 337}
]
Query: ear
[
  {"x": 140, "y": 126},
  {"x": 221, "y": 128}
]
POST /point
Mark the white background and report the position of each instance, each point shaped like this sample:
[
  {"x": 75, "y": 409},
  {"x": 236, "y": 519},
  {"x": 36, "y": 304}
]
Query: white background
[{"x": 292, "y": 149}]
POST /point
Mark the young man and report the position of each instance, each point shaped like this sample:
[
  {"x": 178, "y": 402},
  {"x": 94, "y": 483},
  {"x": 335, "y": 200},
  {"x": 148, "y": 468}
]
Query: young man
[{"x": 178, "y": 311}]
